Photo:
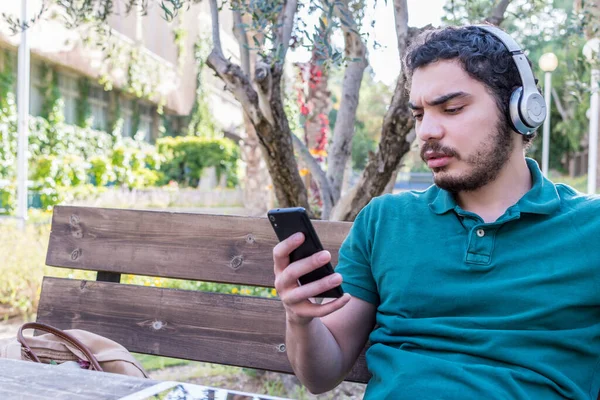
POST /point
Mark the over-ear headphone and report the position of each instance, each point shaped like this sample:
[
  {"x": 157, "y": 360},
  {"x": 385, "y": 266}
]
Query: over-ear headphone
[{"x": 527, "y": 107}]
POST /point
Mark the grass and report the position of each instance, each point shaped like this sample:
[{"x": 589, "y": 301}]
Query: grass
[
  {"x": 23, "y": 265},
  {"x": 579, "y": 183},
  {"x": 153, "y": 363}
]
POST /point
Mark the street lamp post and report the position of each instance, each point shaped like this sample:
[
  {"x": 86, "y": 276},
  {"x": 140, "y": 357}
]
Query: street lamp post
[
  {"x": 590, "y": 50},
  {"x": 22, "y": 117},
  {"x": 548, "y": 63}
]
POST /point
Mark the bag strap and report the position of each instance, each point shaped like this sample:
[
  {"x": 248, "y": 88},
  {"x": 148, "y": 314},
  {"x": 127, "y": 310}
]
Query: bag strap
[{"x": 94, "y": 364}]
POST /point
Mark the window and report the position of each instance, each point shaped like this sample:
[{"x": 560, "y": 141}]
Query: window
[
  {"x": 69, "y": 91},
  {"x": 145, "y": 121},
  {"x": 99, "y": 107},
  {"x": 127, "y": 115}
]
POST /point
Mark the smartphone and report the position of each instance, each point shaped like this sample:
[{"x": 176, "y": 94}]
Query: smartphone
[{"x": 286, "y": 222}]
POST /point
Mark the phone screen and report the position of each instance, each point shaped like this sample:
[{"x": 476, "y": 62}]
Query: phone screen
[{"x": 288, "y": 221}]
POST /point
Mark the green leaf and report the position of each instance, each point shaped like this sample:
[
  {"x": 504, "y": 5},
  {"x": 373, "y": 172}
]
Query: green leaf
[{"x": 168, "y": 13}]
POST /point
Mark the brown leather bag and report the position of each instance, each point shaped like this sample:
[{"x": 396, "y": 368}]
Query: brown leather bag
[{"x": 89, "y": 350}]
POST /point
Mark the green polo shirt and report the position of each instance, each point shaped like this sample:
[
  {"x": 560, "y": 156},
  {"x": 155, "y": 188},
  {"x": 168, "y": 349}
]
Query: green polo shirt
[{"x": 475, "y": 310}]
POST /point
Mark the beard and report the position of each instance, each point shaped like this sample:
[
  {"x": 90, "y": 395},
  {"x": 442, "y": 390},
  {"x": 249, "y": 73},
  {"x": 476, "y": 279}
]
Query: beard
[{"x": 485, "y": 164}]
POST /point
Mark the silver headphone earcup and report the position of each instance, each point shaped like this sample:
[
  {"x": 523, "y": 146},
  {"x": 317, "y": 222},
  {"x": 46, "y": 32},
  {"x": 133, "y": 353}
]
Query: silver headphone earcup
[
  {"x": 515, "y": 115},
  {"x": 533, "y": 109}
]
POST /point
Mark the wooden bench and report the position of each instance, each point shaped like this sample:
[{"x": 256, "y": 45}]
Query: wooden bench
[{"x": 218, "y": 328}]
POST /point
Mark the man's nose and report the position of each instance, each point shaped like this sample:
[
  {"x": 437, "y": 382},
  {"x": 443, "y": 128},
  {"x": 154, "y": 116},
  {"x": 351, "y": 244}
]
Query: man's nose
[{"x": 429, "y": 128}]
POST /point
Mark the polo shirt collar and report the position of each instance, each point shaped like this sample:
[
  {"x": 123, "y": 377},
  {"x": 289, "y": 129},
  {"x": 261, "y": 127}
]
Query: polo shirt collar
[{"x": 542, "y": 198}]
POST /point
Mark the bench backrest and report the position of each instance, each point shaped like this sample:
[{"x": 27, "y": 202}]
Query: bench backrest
[{"x": 211, "y": 327}]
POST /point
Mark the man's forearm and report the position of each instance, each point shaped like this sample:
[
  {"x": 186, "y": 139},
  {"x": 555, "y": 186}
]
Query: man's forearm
[{"x": 315, "y": 355}]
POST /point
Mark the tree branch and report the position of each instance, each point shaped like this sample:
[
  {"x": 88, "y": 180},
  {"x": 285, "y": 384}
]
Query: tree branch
[
  {"x": 235, "y": 79},
  {"x": 497, "y": 15},
  {"x": 231, "y": 135},
  {"x": 242, "y": 39},
  {"x": 396, "y": 136},
  {"x": 356, "y": 51},
  {"x": 561, "y": 110},
  {"x": 318, "y": 174},
  {"x": 401, "y": 20},
  {"x": 263, "y": 77},
  {"x": 237, "y": 82},
  {"x": 285, "y": 23},
  {"x": 216, "y": 33}
]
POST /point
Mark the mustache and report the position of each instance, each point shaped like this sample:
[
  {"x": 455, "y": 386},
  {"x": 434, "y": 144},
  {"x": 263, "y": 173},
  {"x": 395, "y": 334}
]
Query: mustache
[{"x": 436, "y": 147}]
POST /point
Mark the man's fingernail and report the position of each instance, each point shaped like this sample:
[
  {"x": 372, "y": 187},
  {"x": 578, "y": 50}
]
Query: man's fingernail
[
  {"x": 335, "y": 279},
  {"x": 297, "y": 237},
  {"x": 323, "y": 257}
]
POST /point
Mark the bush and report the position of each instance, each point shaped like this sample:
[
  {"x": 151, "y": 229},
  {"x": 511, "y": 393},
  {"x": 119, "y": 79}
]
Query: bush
[
  {"x": 8, "y": 198},
  {"x": 101, "y": 172},
  {"x": 185, "y": 157},
  {"x": 67, "y": 161}
]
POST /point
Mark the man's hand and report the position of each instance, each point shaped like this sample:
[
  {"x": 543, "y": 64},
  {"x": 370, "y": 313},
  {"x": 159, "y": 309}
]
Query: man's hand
[{"x": 295, "y": 298}]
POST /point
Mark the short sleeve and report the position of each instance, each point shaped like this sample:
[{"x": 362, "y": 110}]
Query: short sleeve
[{"x": 355, "y": 260}]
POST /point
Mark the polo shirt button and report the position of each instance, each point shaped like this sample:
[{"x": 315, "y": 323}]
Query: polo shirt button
[{"x": 480, "y": 232}]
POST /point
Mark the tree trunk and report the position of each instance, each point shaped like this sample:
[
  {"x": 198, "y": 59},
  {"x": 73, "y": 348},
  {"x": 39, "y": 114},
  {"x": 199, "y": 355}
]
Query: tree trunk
[
  {"x": 341, "y": 147},
  {"x": 316, "y": 107},
  {"x": 257, "y": 180},
  {"x": 263, "y": 106},
  {"x": 276, "y": 143},
  {"x": 396, "y": 137},
  {"x": 394, "y": 144},
  {"x": 497, "y": 15}
]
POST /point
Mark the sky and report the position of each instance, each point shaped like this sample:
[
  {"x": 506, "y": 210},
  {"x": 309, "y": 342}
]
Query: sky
[{"x": 385, "y": 61}]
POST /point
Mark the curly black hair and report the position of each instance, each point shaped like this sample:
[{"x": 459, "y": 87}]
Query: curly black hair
[{"x": 482, "y": 55}]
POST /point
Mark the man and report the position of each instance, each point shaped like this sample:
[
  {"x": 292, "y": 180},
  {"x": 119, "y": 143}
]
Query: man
[{"x": 484, "y": 286}]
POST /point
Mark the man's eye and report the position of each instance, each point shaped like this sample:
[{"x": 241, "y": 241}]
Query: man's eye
[
  {"x": 418, "y": 117},
  {"x": 453, "y": 110}
]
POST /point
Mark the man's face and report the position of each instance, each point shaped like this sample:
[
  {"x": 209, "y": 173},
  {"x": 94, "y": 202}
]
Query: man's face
[{"x": 461, "y": 136}]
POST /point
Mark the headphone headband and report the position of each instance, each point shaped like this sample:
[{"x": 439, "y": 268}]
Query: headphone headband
[
  {"x": 527, "y": 106},
  {"x": 517, "y": 54}
]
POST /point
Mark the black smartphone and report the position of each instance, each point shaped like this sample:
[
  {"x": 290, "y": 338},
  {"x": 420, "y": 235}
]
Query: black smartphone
[{"x": 286, "y": 222}]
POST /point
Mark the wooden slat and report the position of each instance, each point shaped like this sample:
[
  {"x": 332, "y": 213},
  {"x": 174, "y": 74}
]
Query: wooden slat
[
  {"x": 228, "y": 249},
  {"x": 220, "y": 328}
]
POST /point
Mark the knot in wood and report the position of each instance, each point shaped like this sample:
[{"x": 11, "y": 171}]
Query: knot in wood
[
  {"x": 158, "y": 325},
  {"x": 281, "y": 348},
  {"x": 236, "y": 262},
  {"x": 262, "y": 72},
  {"x": 250, "y": 238},
  {"x": 76, "y": 230},
  {"x": 75, "y": 254}
]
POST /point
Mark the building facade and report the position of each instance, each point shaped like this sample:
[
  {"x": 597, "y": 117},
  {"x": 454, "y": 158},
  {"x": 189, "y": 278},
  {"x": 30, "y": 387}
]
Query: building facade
[{"x": 140, "y": 69}]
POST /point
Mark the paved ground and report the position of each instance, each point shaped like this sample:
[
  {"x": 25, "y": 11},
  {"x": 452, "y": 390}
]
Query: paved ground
[{"x": 9, "y": 329}]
